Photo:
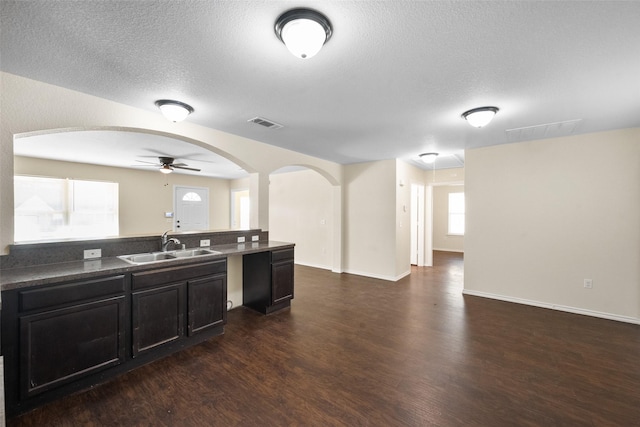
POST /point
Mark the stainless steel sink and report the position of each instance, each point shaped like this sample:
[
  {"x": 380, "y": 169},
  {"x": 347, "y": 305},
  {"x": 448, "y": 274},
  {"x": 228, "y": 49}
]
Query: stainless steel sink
[
  {"x": 193, "y": 252},
  {"x": 150, "y": 257}
]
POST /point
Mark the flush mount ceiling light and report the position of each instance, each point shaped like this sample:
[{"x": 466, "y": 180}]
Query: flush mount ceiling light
[
  {"x": 428, "y": 158},
  {"x": 303, "y": 31},
  {"x": 480, "y": 117},
  {"x": 175, "y": 111}
]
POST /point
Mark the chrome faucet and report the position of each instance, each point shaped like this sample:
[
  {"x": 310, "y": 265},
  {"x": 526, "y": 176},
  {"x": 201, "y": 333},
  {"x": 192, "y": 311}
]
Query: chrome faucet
[{"x": 166, "y": 240}]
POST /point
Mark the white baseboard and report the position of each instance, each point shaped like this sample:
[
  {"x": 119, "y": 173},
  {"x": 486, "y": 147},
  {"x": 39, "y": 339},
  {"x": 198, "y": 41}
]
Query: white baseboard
[
  {"x": 357, "y": 273},
  {"x": 449, "y": 250},
  {"x": 568, "y": 309},
  {"x": 308, "y": 264},
  {"x": 377, "y": 276}
]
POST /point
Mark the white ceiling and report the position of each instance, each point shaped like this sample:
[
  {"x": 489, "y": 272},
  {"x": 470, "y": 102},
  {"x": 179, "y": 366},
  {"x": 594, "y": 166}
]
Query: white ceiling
[{"x": 392, "y": 81}]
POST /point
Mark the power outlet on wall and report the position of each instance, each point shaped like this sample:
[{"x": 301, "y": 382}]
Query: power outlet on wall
[
  {"x": 241, "y": 239},
  {"x": 588, "y": 283},
  {"x": 92, "y": 253},
  {"x": 205, "y": 243},
  {"x": 255, "y": 238}
]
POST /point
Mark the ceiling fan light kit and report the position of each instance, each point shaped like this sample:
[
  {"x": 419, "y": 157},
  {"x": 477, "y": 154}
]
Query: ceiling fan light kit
[
  {"x": 303, "y": 31},
  {"x": 166, "y": 165},
  {"x": 175, "y": 111},
  {"x": 480, "y": 117}
]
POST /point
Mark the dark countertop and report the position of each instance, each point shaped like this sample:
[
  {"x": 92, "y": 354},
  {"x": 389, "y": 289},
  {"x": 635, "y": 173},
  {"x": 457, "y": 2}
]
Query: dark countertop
[{"x": 15, "y": 278}]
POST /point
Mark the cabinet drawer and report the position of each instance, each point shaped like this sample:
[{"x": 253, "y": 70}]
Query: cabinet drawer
[
  {"x": 281, "y": 255},
  {"x": 72, "y": 292},
  {"x": 149, "y": 278}
]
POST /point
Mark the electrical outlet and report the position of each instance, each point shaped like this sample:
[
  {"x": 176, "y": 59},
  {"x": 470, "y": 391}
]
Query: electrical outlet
[
  {"x": 255, "y": 238},
  {"x": 92, "y": 253},
  {"x": 588, "y": 283},
  {"x": 241, "y": 239},
  {"x": 205, "y": 243}
]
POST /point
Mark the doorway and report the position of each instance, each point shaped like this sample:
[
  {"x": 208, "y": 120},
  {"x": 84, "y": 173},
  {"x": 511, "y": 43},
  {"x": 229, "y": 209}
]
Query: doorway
[
  {"x": 191, "y": 207},
  {"x": 240, "y": 209},
  {"x": 417, "y": 225}
]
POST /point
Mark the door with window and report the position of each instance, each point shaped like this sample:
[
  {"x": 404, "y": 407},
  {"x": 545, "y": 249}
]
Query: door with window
[{"x": 191, "y": 208}]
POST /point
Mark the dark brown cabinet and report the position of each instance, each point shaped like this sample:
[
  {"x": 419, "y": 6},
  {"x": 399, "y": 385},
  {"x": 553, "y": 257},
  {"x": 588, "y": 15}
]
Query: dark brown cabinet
[
  {"x": 268, "y": 280},
  {"x": 281, "y": 276},
  {"x": 59, "y": 334},
  {"x": 157, "y": 317},
  {"x": 163, "y": 300},
  {"x": 205, "y": 310},
  {"x": 62, "y": 345},
  {"x": 60, "y": 338}
]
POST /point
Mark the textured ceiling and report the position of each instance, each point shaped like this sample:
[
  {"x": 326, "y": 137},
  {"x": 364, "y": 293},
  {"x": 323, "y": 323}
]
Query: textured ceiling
[{"x": 391, "y": 83}]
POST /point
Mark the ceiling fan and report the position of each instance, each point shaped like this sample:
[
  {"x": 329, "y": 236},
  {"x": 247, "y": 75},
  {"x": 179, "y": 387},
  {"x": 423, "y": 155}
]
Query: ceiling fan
[{"x": 166, "y": 165}]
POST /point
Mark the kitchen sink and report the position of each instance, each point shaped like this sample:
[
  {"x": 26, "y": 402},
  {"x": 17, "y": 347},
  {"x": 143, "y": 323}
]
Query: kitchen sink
[
  {"x": 166, "y": 256},
  {"x": 193, "y": 252}
]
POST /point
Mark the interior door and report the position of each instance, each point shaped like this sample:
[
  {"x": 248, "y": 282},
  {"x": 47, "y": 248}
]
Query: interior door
[{"x": 191, "y": 208}]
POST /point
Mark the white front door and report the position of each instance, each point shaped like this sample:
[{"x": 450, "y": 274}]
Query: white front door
[{"x": 191, "y": 208}]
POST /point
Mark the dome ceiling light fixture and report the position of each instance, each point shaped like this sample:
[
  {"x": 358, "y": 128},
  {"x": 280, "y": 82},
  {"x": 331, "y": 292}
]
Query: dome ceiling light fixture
[
  {"x": 303, "y": 31},
  {"x": 480, "y": 117},
  {"x": 175, "y": 111},
  {"x": 428, "y": 158}
]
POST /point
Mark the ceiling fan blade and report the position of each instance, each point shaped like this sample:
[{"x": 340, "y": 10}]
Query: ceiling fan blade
[
  {"x": 179, "y": 164},
  {"x": 150, "y": 163},
  {"x": 182, "y": 167}
]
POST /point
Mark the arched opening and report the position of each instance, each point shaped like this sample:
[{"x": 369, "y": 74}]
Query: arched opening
[{"x": 131, "y": 158}]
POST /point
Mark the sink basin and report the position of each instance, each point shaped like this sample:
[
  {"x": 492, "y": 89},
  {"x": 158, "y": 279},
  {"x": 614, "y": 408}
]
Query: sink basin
[
  {"x": 165, "y": 256},
  {"x": 150, "y": 257},
  {"x": 193, "y": 252}
]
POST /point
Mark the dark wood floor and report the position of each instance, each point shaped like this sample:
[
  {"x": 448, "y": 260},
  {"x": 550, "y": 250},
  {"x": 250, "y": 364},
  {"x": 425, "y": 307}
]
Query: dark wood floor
[{"x": 355, "y": 351}]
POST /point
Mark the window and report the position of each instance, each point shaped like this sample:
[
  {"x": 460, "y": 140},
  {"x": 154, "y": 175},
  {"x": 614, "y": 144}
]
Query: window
[
  {"x": 55, "y": 208},
  {"x": 191, "y": 197},
  {"x": 456, "y": 214}
]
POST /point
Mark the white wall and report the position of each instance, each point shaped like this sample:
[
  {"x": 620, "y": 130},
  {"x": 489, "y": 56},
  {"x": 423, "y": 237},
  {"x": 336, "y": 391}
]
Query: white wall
[
  {"x": 442, "y": 241},
  {"x": 544, "y": 215},
  {"x": 301, "y": 211},
  {"x": 370, "y": 219},
  {"x": 144, "y": 196}
]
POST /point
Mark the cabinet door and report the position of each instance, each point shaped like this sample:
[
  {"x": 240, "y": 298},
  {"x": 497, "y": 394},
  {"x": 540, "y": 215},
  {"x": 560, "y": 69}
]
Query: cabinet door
[
  {"x": 60, "y": 346},
  {"x": 207, "y": 303},
  {"x": 281, "y": 281},
  {"x": 157, "y": 317}
]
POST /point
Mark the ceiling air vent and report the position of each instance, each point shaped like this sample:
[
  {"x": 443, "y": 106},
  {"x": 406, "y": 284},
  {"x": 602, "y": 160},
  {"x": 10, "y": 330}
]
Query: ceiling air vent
[
  {"x": 266, "y": 123},
  {"x": 547, "y": 130}
]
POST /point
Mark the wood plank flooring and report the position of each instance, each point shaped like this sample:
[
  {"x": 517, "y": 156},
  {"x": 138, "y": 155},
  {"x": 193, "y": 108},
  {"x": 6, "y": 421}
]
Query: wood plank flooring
[{"x": 354, "y": 351}]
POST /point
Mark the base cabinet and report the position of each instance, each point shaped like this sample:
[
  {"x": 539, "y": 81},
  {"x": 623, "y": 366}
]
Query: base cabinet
[
  {"x": 268, "y": 280},
  {"x": 204, "y": 309},
  {"x": 60, "y": 338},
  {"x": 157, "y": 317},
  {"x": 59, "y": 346}
]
